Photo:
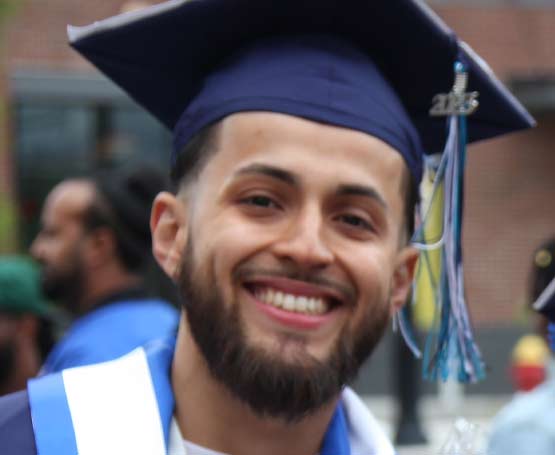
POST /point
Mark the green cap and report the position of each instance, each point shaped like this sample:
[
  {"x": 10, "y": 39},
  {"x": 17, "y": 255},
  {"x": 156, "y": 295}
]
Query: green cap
[{"x": 19, "y": 287}]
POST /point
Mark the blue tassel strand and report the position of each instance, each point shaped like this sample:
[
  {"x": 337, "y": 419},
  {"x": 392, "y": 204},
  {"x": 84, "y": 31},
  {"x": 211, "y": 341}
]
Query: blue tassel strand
[{"x": 450, "y": 344}]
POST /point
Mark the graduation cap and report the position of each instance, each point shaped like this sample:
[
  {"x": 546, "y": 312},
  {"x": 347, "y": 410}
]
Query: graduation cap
[{"x": 391, "y": 69}]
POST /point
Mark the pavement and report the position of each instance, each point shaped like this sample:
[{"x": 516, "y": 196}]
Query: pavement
[{"x": 440, "y": 419}]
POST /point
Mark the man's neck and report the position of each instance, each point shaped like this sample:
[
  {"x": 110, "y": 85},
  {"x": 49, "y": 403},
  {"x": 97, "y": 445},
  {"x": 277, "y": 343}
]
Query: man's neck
[
  {"x": 208, "y": 415},
  {"x": 103, "y": 285}
]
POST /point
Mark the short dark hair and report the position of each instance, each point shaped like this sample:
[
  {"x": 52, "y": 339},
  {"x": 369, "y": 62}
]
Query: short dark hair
[
  {"x": 410, "y": 191},
  {"x": 122, "y": 203},
  {"x": 196, "y": 153},
  {"x": 99, "y": 214}
]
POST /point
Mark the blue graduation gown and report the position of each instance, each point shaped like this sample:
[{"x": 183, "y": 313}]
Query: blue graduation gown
[{"x": 16, "y": 429}]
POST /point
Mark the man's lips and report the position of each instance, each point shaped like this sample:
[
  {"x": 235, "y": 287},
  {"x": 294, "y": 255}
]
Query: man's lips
[
  {"x": 300, "y": 287},
  {"x": 294, "y": 319},
  {"x": 295, "y": 296},
  {"x": 291, "y": 302},
  {"x": 294, "y": 311}
]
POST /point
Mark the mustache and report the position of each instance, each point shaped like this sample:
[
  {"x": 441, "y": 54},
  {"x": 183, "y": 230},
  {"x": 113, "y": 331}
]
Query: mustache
[{"x": 247, "y": 272}]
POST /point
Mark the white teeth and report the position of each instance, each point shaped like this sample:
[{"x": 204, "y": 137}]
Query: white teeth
[
  {"x": 269, "y": 295},
  {"x": 290, "y": 302},
  {"x": 320, "y": 307},
  {"x": 278, "y": 299},
  {"x": 301, "y": 304}
]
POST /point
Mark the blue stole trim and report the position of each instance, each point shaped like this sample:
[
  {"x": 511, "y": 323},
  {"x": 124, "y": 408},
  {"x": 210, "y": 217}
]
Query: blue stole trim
[
  {"x": 159, "y": 356},
  {"x": 336, "y": 439},
  {"x": 49, "y": 411}
]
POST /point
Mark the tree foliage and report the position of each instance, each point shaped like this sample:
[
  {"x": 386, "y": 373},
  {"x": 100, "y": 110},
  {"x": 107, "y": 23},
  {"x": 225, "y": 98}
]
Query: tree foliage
[{"x": 8, "y": 212}]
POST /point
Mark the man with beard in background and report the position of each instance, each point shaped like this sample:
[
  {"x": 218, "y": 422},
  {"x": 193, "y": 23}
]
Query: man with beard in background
[
  {"x": 93, "y": 246},
  {"x": 296, "y": 167}
]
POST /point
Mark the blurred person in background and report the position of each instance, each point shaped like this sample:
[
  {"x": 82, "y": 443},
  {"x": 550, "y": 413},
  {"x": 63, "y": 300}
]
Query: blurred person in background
[
  {"x": 529, "y": 362},
  {"x": 26, "y": 323},
  {"x": 94, "y": 247},
  {"x": 527, "y": 424}
]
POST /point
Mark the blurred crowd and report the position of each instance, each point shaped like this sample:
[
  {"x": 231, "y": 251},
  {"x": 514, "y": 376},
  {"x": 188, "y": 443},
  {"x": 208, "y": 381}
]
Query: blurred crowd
[{"x": 88, "y": 290}]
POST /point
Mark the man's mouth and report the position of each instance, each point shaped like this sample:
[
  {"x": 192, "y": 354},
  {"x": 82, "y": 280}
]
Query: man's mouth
[
  {"x": 298, "y": 304},
  {"x": 294, "y": 303}
]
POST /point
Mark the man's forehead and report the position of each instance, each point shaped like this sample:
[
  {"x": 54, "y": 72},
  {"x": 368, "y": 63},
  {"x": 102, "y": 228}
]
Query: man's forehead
[
  {"x": 266, "y": 124},
  {"x": 303, "y": 154},
  {"x": 69, "y": 198},
  {"x": 271, "y": 134}
]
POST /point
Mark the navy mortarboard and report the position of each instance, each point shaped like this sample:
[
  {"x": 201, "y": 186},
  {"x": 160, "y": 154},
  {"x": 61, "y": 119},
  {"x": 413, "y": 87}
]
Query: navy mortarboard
[{"x": 391, "y": 69}]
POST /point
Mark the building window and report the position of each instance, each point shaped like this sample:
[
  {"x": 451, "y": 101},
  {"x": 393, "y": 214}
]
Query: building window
[{"x": 69, "y": 125}]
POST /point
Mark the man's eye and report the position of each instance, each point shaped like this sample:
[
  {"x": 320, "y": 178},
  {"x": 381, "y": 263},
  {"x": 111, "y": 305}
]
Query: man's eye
[
  {"x": 356, "y": 222},
  {"x": 259, "y": 201}
]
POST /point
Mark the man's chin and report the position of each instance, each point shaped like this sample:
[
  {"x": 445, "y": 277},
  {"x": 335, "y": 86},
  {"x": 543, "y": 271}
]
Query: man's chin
[
  {"x": 61, "y": 295},
  {"x": 54, "y": 290},
  {"x": 291, "y": 349},
  {"x": 296, "y": 357}
]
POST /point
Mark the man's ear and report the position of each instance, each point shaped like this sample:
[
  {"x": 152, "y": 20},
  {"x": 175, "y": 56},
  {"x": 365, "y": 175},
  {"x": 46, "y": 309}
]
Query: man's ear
[
  {"x": 402, "y": 277},
  {"x": 168, "y": 224},
  {"x": 100, "y": 247}
]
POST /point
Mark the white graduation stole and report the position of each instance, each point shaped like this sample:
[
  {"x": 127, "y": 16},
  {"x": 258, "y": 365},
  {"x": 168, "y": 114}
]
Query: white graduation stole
[{"x": 125, "y": 406}]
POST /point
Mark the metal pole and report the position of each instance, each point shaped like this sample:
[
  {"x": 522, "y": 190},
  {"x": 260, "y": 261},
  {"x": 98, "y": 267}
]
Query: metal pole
[{"x": 407, "y": 391}]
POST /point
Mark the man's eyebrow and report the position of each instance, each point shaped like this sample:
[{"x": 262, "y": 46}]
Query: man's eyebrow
[
  {"x": 361, "y": 190},
  {"x": 270, "y": 171}
]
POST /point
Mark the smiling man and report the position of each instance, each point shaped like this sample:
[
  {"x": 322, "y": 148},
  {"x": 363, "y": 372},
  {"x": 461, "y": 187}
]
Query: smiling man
[
  {"x": 300, "y": 129},
  {"x": 290, "y": 267}
]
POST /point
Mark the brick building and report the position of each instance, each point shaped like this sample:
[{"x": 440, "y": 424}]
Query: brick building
[{"x": 64, "y": 118}]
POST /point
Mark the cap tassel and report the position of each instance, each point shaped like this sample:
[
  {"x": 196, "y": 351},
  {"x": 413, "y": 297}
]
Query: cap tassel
[{"x": 450, "y": 344}]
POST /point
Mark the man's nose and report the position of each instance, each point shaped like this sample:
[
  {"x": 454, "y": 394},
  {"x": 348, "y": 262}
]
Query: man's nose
[
  {"x": 36, "y": 248},
  {"x": 304, "y": 241}
]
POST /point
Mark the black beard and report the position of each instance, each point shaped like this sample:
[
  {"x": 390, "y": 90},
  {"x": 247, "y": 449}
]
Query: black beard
[
  {"x": 269, "y": 385},
  {"x": 66, "y": 288}
]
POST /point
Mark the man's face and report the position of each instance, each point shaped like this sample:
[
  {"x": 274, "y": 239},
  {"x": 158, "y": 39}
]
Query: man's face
[
  {"x": 58, "y": 246},
  {"x": 294, "y": 232}
]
